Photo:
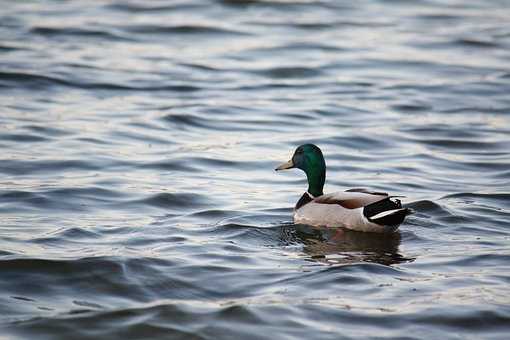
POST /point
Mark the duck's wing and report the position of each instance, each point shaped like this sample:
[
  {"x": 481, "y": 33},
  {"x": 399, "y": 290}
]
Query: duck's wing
[
  {"x": 351, "y": 199},
  {"x": 366, "y": 191}
]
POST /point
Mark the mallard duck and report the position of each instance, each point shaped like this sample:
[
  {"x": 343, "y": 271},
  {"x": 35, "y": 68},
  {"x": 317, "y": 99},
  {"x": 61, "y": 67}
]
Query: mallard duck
[{"x": 355, "y": 209}]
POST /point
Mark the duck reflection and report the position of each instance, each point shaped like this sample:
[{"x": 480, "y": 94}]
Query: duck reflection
[{"x": 341, "y": 246}]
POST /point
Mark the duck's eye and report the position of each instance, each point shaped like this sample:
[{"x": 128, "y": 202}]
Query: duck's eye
[{"x": 299, "y": 151}]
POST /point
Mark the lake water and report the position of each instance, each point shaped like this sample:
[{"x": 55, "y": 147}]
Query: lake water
[{"x": 138, "y": 141}]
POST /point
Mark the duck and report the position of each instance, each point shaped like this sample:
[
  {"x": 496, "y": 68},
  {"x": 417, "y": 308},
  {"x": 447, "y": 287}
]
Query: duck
[{"x": 356, "y": 209}]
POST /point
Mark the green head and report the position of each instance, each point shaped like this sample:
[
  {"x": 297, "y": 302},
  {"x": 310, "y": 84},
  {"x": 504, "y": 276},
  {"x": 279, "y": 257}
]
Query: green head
[{"x": 308, "y": 157}]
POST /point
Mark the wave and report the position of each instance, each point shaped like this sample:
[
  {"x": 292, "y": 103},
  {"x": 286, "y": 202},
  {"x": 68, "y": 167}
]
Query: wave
[
  {"x": 298, "y": 47},
  {"x": 22, "y": 138},
  {"x": 190, "y": 122},
  {"x": 289, "y": 72},
  {"x": 504, "y": 197},
  {"x": 429, "y": 207},
  {"x": 23, "y": 167},
  {"x": 148, "y": 8},
  {"x": 182, "y": 30},
  {"x": 470, "y": 42},
  {"x": 280, "y": 318},
  {"x": 32, "y": 80},
  {"x": 57, "y": 200},
  {"x": 10, "y": 48},
  {"x": 176, "y": 200},
  {"x": 78, "y": 32}
]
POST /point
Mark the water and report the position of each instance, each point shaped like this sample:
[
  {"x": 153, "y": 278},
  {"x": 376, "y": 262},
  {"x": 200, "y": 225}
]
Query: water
[{"x": 138, "y": 141}]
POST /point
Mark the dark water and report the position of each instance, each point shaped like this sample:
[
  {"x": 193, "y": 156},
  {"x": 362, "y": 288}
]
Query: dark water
[{"x": 138, "y": 141}]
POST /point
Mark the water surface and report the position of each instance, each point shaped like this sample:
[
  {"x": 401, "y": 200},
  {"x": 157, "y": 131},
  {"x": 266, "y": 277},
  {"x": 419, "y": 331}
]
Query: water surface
[{"x": 138, "y": 142}]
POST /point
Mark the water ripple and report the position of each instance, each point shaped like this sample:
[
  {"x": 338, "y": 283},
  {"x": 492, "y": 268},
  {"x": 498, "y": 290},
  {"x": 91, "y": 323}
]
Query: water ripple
[
  {"x": 36, "y": 81},
  {"x": 76, "y": 32},
  {"x": 138, "y": 197}
]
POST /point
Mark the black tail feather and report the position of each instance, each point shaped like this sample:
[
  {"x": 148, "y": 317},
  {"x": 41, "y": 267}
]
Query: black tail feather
[{"x": 392, "y": 219}]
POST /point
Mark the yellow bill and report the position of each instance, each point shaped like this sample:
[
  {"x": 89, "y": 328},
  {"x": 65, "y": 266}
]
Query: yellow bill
[{"x": 286, "y": 165}]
